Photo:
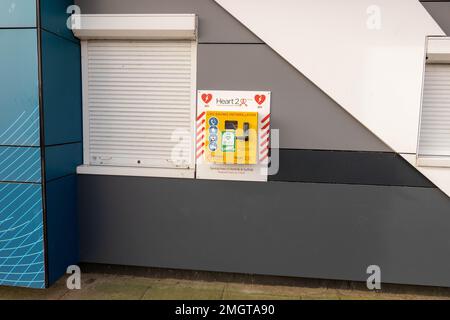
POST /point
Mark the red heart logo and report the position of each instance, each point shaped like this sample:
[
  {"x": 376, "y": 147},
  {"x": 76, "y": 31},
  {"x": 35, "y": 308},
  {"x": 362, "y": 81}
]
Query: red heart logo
[
  {"x": 206, "y": 97},
  {"x": 260, "y": 98}
]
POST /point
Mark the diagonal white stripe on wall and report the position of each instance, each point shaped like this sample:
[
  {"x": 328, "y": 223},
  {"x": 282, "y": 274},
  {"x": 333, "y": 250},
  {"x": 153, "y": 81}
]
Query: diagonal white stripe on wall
[{"x": 366, "y": 55}]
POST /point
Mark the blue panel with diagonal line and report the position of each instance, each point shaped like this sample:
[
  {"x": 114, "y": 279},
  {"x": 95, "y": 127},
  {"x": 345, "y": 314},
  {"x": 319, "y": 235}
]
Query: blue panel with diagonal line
[
  {"x": 21, "y": 235},
  {"x": 22, "y": 164}
]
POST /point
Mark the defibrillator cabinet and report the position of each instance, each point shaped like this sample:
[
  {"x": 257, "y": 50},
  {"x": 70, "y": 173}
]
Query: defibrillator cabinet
[{"x": 233, "y": 135}]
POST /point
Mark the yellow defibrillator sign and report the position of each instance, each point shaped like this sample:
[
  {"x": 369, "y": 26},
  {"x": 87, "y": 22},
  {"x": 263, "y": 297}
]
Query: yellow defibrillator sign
[{"x": 231, "y": 137}]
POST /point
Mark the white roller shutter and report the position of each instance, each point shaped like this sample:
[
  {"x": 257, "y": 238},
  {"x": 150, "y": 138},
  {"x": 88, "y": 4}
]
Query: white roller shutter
[
  {"x": 139, "y": 99},
  {"x": 435, "y": 121}
]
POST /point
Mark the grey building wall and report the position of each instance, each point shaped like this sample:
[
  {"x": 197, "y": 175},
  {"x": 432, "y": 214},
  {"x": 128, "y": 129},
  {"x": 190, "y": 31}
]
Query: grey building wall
[
  {"x": 279, "y": 228},
  {"x": 342, "y": 200},
  {"x": 307, "y": 117},
  {"x": 216, "y": 25}
]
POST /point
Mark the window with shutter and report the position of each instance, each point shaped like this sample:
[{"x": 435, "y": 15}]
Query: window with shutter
[
  {"x": 139, "y": 103},
  {"x": 434, "y": 139}
]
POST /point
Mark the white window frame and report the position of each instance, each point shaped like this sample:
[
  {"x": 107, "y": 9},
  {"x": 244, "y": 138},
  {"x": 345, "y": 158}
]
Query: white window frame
[
  {"x": 136, "y": 27},
  {"x": 437, "y": 51}
]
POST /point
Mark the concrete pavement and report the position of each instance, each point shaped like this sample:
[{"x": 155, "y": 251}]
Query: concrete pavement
[{"x": 107, "y": 282}]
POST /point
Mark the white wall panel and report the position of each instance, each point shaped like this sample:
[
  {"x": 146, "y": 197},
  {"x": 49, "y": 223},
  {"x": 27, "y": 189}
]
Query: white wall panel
[{"x": 375, "y": 75}]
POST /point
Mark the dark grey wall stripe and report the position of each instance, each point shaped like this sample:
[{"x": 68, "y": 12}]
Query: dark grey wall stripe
[
  {"x": 292, "y": 229},
  {"x": 347, "y": 167}
]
